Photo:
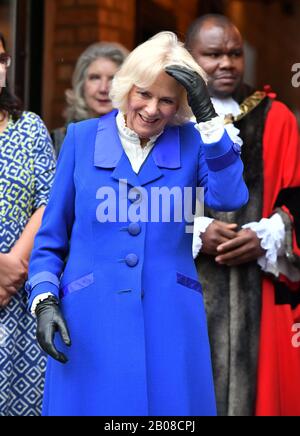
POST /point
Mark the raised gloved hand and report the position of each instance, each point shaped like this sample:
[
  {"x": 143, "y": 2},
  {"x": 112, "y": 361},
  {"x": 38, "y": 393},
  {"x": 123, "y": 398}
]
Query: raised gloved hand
[
  {"x": 50, "y": 320},
  {"x": 197, "y": 92}
]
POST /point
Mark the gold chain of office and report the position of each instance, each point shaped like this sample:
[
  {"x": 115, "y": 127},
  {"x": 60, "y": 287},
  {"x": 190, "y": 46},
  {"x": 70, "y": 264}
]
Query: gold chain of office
[{"x": 246, "y": 106}]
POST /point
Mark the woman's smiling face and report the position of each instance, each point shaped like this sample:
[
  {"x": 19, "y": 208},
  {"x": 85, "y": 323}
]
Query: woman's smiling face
[{"x": 150, "y": 109}]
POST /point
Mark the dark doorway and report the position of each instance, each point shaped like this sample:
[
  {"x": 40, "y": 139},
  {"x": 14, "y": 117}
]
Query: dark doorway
[
  {"x": 211, "y": 7},
  {"x": 29, "y": 53},
  {"x": 152, "y": 18}
]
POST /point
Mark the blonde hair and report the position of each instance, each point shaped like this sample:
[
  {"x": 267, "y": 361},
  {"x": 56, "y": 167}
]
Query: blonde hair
[{"x": 145, "y": 63}]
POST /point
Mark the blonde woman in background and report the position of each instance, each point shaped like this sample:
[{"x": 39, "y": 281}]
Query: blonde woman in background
[{"x": 91, "y": 82}]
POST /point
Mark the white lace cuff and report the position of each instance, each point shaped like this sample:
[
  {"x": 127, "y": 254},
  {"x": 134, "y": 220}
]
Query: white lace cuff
[
  {"x": 212, "y": 131},
  {"x": 271, "y": 232},
  {"x": 200, "y": 225},
  {"x": 233, "y": 133},
  {"x": 37, "y": 300}
]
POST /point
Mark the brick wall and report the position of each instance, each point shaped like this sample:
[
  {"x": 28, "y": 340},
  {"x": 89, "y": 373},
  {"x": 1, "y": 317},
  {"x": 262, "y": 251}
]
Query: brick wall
[{"x": 70, "y": 26}]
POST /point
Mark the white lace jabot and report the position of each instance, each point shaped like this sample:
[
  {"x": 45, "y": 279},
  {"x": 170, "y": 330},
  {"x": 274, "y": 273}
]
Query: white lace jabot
[
  {"x": 225, "y": 106},
  {"x": 132, "y": 144}
]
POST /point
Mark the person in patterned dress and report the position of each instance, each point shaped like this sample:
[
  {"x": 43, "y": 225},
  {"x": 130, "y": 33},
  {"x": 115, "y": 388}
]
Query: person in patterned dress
[{"x": 27, "y": 166}]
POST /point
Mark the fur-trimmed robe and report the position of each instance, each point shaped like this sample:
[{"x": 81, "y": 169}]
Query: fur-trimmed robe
[{"x": 234, "y": 295}]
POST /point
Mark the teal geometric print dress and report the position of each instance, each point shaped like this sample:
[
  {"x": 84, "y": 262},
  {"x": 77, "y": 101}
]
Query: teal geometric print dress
[{"x": 27, "y": 166}]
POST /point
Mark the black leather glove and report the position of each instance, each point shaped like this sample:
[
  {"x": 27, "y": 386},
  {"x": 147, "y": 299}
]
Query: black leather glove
[
  {"x": 197, "y": 92},
  {"x": 50, "y": 320}
]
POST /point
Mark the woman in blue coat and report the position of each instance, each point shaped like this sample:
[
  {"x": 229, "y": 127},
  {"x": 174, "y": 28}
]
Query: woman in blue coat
[{"x": 128, "y": 294}]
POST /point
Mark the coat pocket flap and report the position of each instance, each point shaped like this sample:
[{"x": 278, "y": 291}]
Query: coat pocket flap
[
  {"x": 77, "y": 284},
  {"x": 189, "y": 282}
]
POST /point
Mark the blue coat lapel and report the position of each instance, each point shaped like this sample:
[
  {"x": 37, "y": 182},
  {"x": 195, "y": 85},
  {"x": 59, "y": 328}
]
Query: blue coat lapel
[
  {"x": 108, "y": 147},
  {"x": 124, "y": 171},
  {"x": 109, "y": 153},
  {"x": 165, "y": 154}
]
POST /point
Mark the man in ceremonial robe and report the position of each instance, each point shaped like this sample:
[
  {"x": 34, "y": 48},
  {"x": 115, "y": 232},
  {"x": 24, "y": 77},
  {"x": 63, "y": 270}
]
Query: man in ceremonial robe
[{"x": 248, "y": 260}]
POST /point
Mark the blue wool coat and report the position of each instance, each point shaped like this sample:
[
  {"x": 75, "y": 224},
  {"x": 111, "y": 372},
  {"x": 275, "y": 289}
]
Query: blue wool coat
[{"x": 129, "y": 290}]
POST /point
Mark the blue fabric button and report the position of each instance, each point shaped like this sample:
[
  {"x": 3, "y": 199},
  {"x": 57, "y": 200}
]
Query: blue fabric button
[
  {"x": 237, "y": 148},
  {"x": 131, "y": 259},
  {"x": 134, "y": 229}
]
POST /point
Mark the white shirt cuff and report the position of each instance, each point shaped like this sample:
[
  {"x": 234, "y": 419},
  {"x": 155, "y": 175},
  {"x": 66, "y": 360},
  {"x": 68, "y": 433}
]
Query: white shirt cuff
[
  {"x": 212, "y": 131},
  {"x": 37, "y": 300},
  {"x": 200, "y": 225},
  {"x": 271, "y": 232}
]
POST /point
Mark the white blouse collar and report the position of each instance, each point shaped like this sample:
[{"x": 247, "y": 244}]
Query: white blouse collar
[{"x": 129, "y": 135}]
